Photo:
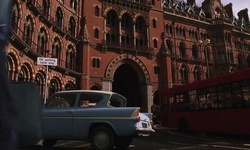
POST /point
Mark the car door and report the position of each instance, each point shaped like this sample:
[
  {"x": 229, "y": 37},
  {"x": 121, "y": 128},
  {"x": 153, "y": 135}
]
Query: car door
[
  {"x": 85, "y": 113},
  {"x": 58, "y": 115}
]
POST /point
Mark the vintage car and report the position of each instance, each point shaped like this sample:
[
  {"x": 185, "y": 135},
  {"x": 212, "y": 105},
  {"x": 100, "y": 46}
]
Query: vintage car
[{"x": 99, "y": 117}]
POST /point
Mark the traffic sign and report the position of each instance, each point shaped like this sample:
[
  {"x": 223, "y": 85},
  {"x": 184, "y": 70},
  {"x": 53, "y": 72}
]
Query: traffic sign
[{"x": 47, "y": 61}]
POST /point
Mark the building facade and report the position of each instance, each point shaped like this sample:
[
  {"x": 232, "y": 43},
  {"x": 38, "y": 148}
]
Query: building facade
[{"x": 132, "y": 47}]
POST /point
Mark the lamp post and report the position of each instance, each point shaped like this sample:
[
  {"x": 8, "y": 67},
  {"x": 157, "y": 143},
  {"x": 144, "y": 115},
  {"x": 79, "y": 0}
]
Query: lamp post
[{"x": 205, "y": 43}]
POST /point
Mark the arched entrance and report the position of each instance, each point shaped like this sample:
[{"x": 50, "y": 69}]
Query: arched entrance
[{"x": 126, "y": 82}]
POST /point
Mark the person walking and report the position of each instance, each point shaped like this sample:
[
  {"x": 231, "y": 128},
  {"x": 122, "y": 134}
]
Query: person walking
[{"x": 8, "y": 110}]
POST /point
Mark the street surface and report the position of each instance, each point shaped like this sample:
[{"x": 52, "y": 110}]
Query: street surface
[{"x": 167, "y": 139}]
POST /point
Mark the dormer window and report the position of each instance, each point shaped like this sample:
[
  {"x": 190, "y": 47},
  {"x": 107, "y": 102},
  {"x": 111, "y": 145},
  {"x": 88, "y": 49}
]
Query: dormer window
[{"x": 217, "y": 12}]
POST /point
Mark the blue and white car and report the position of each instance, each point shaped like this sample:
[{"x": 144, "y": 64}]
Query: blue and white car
[{"x": 99, "y": 117}]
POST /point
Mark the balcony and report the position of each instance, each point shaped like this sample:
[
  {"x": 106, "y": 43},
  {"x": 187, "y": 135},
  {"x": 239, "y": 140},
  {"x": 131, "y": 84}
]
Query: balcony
[
  {"x": 28, "y": 47},
  {"x": 127, "y": 48},
  {"x": 50, "y": 21}
]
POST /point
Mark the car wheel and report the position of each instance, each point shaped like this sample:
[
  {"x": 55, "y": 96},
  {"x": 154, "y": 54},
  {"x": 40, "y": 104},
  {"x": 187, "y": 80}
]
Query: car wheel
[
  {"x": 49, "y": 143},
  {"x": 102, "y": 138},
  {"x": 123, "y": 142}
]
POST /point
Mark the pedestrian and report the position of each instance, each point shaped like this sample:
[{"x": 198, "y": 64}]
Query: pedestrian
[{"x": 8, "y": 111}]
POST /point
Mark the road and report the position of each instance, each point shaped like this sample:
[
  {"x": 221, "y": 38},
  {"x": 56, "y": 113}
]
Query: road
[{"x": 167, "y": 139}]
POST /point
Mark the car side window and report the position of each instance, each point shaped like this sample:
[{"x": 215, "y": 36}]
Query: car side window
[
  {"x": 62, "y": 100},
  {"x": 117, "y": 101},
  {"x": 89, "y": 99}
]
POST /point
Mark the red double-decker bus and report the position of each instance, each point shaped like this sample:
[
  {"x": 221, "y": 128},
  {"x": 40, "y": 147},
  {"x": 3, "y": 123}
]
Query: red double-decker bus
[{"x": 220, "y": 104}]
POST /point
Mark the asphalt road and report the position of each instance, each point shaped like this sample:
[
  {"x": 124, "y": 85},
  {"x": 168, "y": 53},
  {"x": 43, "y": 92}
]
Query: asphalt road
[{"x": 167, "y": 139}]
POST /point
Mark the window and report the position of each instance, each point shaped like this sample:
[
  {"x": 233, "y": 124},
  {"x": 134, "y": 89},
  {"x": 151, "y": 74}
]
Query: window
[
  {"x": 153, "y": 2},
  {"x": 156, "y": 70},
  {"x": 117, "y": 101},
  {"x": 96, "y": 62},
  {"x": 89, "y": 99},
  {"x": 96, "y": 33},
  {"x": 28, "y": 30},
  {"x": 59, "y": 18},
  {"x": 72, "y": 26},
  {"x": 70, "y": 57},
  {"x": 111, "y": 18},
  {"x": 56, "y": 49},
  {"x": 62, "y": 100},
  {"x": 182, "y": 50},
  {"x": 97, "y": 11},
  {"x": 42, "y": 42},
  {"x": 73, "y": 5},
  {"x": 155, "y": 43},
  {"x": 45, "y": 8},
  {"x": 154, "y": 23}
]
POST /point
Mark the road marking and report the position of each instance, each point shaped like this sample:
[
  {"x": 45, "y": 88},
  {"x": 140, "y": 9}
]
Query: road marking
[
  {"x": 65, "y": 143},
  {"x": 82, "y": 145},
  {"x": 230, "y": 147},
  {"x": 192, "y": 147},
  {"x": 177, "y": 143}
]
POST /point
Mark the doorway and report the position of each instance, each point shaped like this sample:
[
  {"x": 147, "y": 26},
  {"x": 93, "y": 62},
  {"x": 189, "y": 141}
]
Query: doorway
[{"x": 127, "y": 83}]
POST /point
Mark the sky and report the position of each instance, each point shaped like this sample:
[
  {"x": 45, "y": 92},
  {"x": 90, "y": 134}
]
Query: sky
[{"x": 237, "y": 5}]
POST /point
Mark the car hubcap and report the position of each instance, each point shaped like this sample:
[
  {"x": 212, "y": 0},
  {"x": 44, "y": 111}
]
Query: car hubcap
[{"x": 101, "y": 139}]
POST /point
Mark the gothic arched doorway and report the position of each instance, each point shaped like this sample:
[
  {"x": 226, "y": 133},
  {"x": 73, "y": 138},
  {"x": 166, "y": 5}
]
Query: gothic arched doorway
[{"x": 126, "y": 82}]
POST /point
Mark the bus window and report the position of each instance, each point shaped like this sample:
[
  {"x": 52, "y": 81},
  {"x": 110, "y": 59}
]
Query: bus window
[
  {"x": 193, "y": 100},
  {"x": 208, "y": 98},
  {"x": 182, "y": 102},
  {"x": 246, "y": 92}
]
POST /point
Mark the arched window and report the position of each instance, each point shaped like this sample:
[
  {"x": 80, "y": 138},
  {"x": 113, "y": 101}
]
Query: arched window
[
  {"x": 45, "y": 8},
  {"x": 69, "y": 86},
  {"x": 126, "y": 21},
  {"x": 154, "y": 23},
  {"x": 155, "y": 43},
  {"x": 184, "y": 74},
  {"x": 96, "y": 33},
  {"x": 70, "y": 58},
  {"x": 72, "y": 26},
  {"x": 182, "y": 50},
  {"x": 197, "y": 74},
  {"x": 56, "y": 50},
  {"x": 73, "y": 4},
  {"x": 140, "y": 24},
  {"x": 194, "y": 53},
  {"x": 15, "y": 16},
  {"x": 53, "y": 87},
  {"x": 59, "y": 18},
  {"x": 40, "y": 80},
  {"x": 42, "y": 42},
  {"x": 240, "y": 61},
  {"x": 28, "y": 30},
  {"x": 97, "y": 11},
  {"x": 112, "y": 18}
]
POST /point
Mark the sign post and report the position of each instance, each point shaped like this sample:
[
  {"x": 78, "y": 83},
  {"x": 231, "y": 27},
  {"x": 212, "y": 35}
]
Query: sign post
[{"x": 47, "y": 62}]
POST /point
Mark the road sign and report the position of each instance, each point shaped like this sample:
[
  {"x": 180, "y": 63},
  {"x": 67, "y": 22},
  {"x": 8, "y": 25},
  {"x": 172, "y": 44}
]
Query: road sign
[{"x": 47, "y": 61}]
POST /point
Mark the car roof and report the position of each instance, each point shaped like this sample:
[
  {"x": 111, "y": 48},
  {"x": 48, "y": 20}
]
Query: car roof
[{"x": 87, "y": 91}]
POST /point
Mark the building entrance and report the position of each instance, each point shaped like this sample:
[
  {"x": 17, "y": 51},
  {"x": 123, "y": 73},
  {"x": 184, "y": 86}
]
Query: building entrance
[{"x": 126, "y": 82}]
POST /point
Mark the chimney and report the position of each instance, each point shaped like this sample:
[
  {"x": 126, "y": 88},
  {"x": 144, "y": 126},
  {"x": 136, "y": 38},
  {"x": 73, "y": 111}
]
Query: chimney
[{"x": 243, "y": 14}]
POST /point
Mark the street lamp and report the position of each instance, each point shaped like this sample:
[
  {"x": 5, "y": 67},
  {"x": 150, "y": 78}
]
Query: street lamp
[{"x": 205, "y": 43}]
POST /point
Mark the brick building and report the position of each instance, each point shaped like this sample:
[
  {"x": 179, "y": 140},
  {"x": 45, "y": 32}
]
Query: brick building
[{"x": 133, "y": 47}]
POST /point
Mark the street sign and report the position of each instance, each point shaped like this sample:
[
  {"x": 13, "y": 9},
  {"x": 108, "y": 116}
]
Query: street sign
[{"x": 47, "y": 61}]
